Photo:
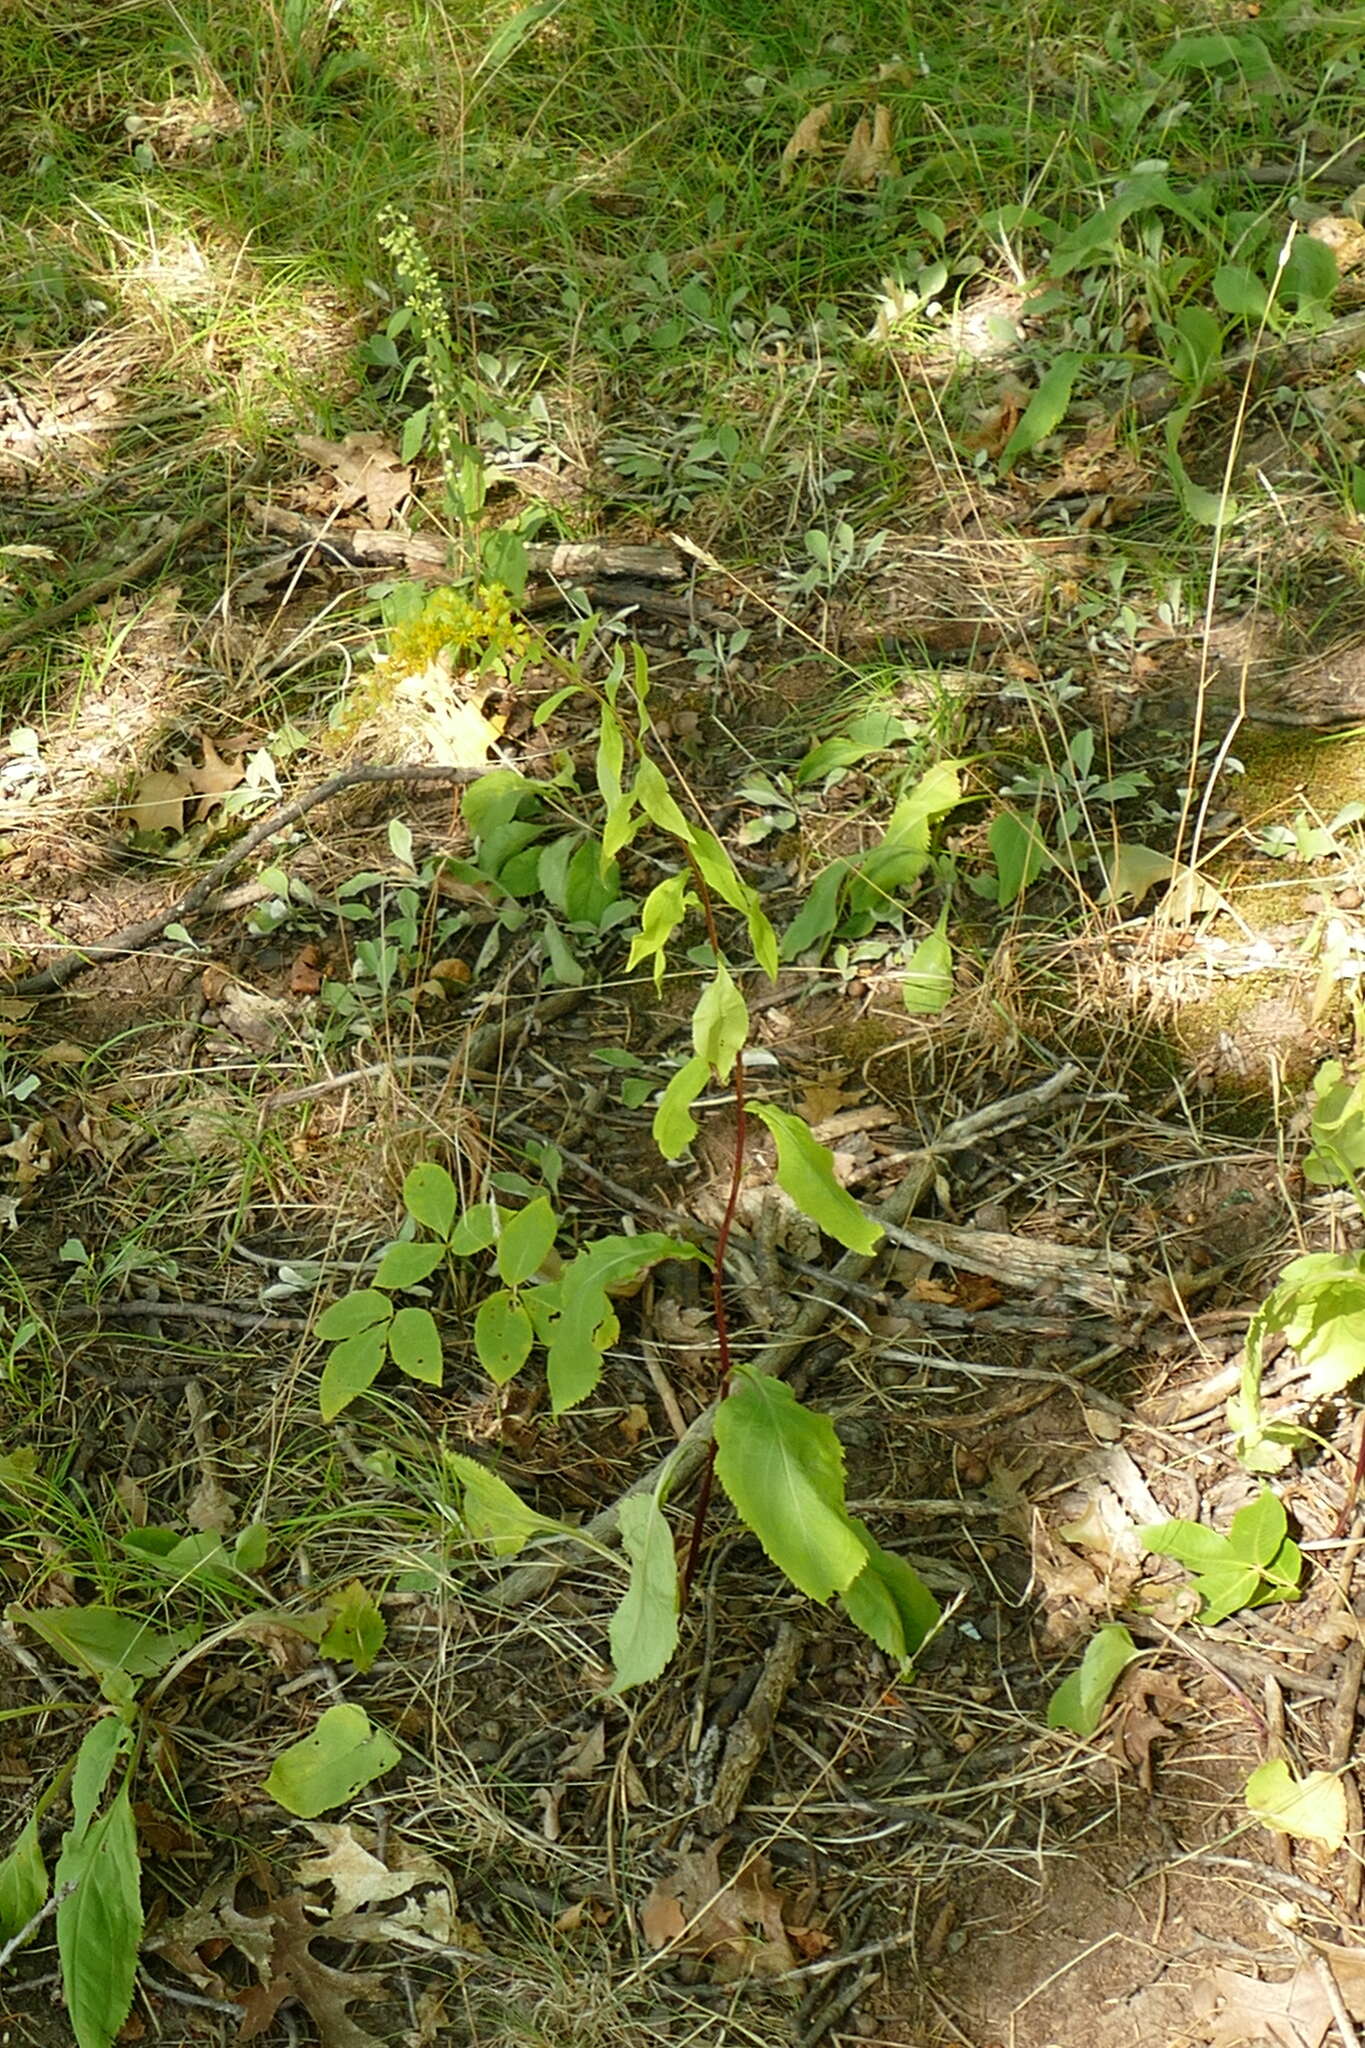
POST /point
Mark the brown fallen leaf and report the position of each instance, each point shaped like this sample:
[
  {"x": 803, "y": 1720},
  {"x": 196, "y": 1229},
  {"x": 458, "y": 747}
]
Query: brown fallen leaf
[
  {"x": 1294, "y": 2014},
  {"x": 736, "y": 1927},
  {"x": 214, "y": 778},
  {"x": 159, "y": 805},
  {"x": 870, "y": 156},
  {"x": 808, "y": 139},
  {"x": 276, "y": 1942},
  {"x": 366, "y": 468},
  {"x": 305, "y": 975}
]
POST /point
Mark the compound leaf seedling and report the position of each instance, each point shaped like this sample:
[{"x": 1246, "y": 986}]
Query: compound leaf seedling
[{"x": 1255, "y": 1563}]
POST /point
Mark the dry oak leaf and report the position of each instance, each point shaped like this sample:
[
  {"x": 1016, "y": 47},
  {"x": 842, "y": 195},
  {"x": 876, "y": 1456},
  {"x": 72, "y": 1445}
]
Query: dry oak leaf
[
  {"x": 736, "y": 1926},
  {"x": 214, "y": 778},
  {"x": 159, "y": 805},
  {"x": 808, "y": 139},
  {"x": 870, "y": 156},
  {"x": 1296, "y": 2013},
  {"x": 366, "y": 468}
]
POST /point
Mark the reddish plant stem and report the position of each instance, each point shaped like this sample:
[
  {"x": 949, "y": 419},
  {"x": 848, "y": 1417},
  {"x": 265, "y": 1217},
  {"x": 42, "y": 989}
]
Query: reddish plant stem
[{"x": 689, "y": 1570}]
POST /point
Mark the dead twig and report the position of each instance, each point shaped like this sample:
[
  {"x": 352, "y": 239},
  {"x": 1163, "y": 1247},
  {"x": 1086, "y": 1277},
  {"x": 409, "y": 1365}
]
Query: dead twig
[
  {"x": 136, "y": 937},
  {"x": 129, "y": 572},
  {"x": 752, "y": 1732}
]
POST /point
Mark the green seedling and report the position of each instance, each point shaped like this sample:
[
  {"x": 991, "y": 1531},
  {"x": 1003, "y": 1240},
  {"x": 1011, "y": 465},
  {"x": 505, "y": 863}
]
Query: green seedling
[
  {"x": 1080, "y": 1700},
  {"x": 1255, "y": 1564}
]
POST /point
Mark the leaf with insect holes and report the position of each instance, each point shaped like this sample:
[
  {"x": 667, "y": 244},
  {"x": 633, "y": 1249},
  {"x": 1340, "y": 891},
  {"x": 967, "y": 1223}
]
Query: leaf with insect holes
[
  {"x": 408, "y": 1265},
  {"x": 783, "y": 1468},
  {"x": 503, "y": 1336},
  {"x": 1044, "y": 412},
  {"x": 1080, "y": 1700},
  {"x": 430, "y": 1198},
  {"x": 525, "y": 1241},
  {"x": 492, "y": 1512},
  {"x": 99, "y": 1923},
  {"x": 889, "y": 1601},
  {"x": 643, "y": 1632},
  {"x": 1313, "y": 1808},
  {"x": 662, "y": 911},
  {"x": 352, "y": 1368},
  {"x": 805, "y": 1171},
  {"x": 720, "y": 1024},
  {"x": 355, "y": 1627},
  {"x": 415, "y": 1345},
  {"x": 343, "y": 1754}
]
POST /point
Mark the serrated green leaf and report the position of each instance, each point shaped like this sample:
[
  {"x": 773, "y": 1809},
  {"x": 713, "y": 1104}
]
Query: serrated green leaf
[
  {"x": 720, "y": 1023},
  {"x": 674, "y": 1126},
  {"x": 525, "y": 1240},
  {"x": 503, "y": 1336},
  {"x": 430, "y": 1197},
  {"x": 1080, "y": 1700},
  {"x": 351, "y": 1370},
  {"x": 805, "y": 1171},
  {"x": 361, "y": 1310},
  {"x": 23, "y": 1882},
  {"x": 889, "y": 1601},
  {"x": 99, "y": 1923},
  {"x": 643, "y": 1631},
  {"x": 343, "y": 1754},
  {"x": 1312, "y": 1808},
  {"x": 783, "y": 1469},
  {"x": 492, "y": 1512},
  {"x": 1045, "y": 410},
  {"x": 405, "y": 1265},
  {"x": 415, "y": 1346},
  {"x": 355, "y": 1627}
]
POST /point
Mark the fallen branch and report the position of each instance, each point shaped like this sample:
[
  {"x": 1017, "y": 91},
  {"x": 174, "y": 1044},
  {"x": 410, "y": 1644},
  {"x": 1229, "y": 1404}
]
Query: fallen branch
[
  {"x": 135, "y": 938},
  {"x": 528, "y": 1582},
  {"x": 129, "y": 572},
  {"x": 428, "y": 557}
]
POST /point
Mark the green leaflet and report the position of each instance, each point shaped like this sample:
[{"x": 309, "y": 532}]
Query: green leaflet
[
  {"x": 720, "y": 1024},
  {"x": 644, "y": 1629},
  {"x": 674, "y": 1126},
  {"x": 430, "y": 1198},
  {"x": 525, "y": 1240},
  {"x": 783, "y": 1468},
  {"x": 889, "y": 1601},
  {"x": 805, "y": 1170},
  {"x": 23, "y": 1882},
  {"x": 662, "y": 911},
  {"x": 585, "y": 1322},
  {"x": 1045, "y": 410}
]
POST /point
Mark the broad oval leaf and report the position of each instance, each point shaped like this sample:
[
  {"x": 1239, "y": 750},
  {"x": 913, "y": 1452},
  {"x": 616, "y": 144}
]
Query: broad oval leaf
[
  {"x": 1257, "y": 1531},
  {"x": 643, "y": 1631},
  {"x": 927, "y": 980},
  {"x": 351, "y": 1370},
  {"x": 430, "y": 1197},
  {"x": 415, "y": 1345},
  {"x": 343, "y": 1754},
  {"x": 783, "y": 1469},
  {"x": 1045, "y": 410},
  {"x": 524, "y": 1240},
  {"x": 503, "y": 1336},
  {"x": 408, "y": 1265},
  {"x": 476, "y": 1230},
  {"x": 805, "y": 1171},
  {"x": 360, "y": 1310}
]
